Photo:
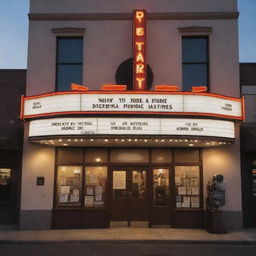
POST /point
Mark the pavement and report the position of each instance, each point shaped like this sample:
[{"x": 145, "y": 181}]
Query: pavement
[{"x": 10, "y": 234}]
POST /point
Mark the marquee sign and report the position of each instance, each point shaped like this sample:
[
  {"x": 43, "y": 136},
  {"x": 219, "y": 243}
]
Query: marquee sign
[
  {"x": 132, "y": 126},
  {"x": 139, "y": 51},
  {"x": 146, "y": 102}
]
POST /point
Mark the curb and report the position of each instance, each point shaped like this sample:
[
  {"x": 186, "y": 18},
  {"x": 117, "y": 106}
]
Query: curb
[{"x": 173, "y": 242}]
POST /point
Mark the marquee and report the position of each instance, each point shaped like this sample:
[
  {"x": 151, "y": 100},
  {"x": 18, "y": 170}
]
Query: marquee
[{"x": 132, "y": 103}]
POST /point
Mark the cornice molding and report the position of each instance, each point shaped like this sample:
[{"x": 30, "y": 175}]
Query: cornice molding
[
  {"x": 196, "y": 29},
  {"x": 68, "y": 30},
  {"x": 128, "y": 16}
]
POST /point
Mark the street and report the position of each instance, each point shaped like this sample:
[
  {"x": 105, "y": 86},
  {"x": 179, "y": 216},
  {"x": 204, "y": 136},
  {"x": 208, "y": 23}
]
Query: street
[{"x": 125, "y": 249}]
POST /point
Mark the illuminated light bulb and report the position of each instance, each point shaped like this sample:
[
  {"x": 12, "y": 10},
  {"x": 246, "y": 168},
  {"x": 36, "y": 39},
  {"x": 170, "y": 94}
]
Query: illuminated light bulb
[
  {"x": 190, "y": 145},
  {"x": 69, "y": 139},
  {"x": 162, "y": 140},
  {"x": 156, "y": 140},
  {"x": 170, "y": 140},
  {"x": 129, "y": 140},
  {"x": 175, "y": 140},
  {"x": 145, "y": 140},
  {"x": 81, "y": 140},
  {"x": 186, "y": 140},
  {"x": 196, "y": 140},
  {"x": 60, "y": 140},
  {"x": 116, "y": 139},
  {"x": 91, "y": 139},
  {"x": 65, "y": 144},
  {"x": 76, "y": 140},
  {"x": 106, "y": 140},
  {"x": 97, "y": 159},
  {"x": 208, "y": 143},
  {"x": 135, "y": 140},
  {"x": 122, "y": 140}
]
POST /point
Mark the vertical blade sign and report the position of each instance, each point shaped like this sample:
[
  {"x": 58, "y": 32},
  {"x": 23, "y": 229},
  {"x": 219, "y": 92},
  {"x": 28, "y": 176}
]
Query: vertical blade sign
[{"x": 139, "y": 50}]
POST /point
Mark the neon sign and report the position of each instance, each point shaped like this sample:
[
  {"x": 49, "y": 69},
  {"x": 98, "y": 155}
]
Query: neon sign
[{"x": 139, "y": 50}]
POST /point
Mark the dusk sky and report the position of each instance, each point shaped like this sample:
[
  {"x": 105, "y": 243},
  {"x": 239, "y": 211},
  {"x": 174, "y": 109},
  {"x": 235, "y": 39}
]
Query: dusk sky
[{"x": 14, "y": 32}]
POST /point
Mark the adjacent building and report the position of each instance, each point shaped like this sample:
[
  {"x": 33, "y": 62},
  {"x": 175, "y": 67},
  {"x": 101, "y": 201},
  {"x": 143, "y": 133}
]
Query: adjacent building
[
  {"x": 12, "y": 85},
  {"x": 248, "y": 142},
  {"x": 153, "y": 112}
]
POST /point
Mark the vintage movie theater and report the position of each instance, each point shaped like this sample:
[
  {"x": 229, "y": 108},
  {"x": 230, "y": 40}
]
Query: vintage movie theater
[{"x": 130, "y": 108}]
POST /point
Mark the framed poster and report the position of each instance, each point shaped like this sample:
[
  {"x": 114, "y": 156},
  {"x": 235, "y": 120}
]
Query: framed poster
[{"x": 119, "y": 179}]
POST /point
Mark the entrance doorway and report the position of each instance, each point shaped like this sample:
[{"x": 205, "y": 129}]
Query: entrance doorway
[{"x": 129, "y": 194}]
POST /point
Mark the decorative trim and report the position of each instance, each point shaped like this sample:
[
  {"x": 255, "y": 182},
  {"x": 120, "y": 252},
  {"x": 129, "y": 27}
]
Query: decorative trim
[
  {"x": 128, "y": 16},
  {"x": 196, "y": 29},
  {"x": 67, "y": 30}
]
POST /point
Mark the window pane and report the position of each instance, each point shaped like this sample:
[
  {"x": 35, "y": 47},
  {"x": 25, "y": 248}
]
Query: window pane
[
  {"x": 95, "y": 185},
  {"x": 194, "y": 75},
  {"x": 187, "y": 186},
  {"x": 94, "y": 155},
  {"x": 5, "y": 184},
  {"x": 139, "y": 184},
  {"x": 161, "y": 187},
  {"x": 70, "y": 156},
  {"x": 69, "y": 184},
  {"x": 186, "y": 156},
  {"x": 119, "y": 184},
  {"x": 67, "y": 74},
  {"x": 194, "y": 50},
  {"x": 161, "y": 156},
  {"x": 129, "y": 155},
  {"x": 70, "y": 50}
]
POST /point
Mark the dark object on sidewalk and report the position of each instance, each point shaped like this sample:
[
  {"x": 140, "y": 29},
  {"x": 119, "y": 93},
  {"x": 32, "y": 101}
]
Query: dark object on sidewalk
[{"x": 215, "y": 199}]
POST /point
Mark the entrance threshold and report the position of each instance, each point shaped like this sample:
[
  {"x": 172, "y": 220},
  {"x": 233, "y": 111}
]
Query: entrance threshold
[{"x": 132, "y": 224}]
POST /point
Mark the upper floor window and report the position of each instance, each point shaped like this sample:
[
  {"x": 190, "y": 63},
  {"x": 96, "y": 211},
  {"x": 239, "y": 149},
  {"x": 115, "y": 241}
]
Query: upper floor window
[
  {"x": 69, "y": 62},
  {"x": 195, "y": 62}
]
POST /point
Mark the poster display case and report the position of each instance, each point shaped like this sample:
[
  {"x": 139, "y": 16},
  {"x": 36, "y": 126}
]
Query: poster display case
[
  {"x": 187, "y": 186},
  {"x": 69, "y": 184},
  {"x": 95, "y": 186}
]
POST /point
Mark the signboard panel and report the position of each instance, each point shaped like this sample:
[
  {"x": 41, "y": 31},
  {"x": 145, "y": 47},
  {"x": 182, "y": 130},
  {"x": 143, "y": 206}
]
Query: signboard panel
[
  {"x": 212, "y": 105},
  {"x": 133, "y": 103},
  {"x": 132, "y": 126},
  {"x": 51, "y": 104}
]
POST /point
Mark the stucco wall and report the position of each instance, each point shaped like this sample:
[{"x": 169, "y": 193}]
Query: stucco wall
[
  {"x": 225, "y": 160},
  {"x": 38, "y": 161},
  {"x": 107, "y": 48}
]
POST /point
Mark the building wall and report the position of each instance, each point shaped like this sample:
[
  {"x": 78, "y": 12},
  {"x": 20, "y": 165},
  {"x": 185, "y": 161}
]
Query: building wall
[
  {"x": 116, "y": 6},
  {"x": 107, "y": 43},
  {"x": 12, "y": 86}
]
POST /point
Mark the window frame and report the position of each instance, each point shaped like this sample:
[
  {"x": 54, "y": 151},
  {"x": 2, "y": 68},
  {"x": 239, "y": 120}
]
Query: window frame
[
  {"x": 67, "y": 63},
  {"x": 207, "y": 63}
]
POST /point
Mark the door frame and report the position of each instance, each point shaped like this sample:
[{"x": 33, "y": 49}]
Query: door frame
[{"x": 124, "y": 167}]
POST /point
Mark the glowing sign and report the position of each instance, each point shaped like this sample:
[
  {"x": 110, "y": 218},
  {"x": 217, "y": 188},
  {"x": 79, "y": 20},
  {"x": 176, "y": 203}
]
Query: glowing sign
[
  {"x": 132, "y": 126},
  {"x": 139, "y": 51},
  {"x": 190, "y": 104}
]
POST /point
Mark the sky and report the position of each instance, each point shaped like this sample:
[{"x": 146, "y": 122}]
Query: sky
[{"x": 14, "y": 32}]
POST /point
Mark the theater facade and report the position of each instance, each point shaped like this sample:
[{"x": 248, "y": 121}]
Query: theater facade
[{"x": 130, "y": 109}]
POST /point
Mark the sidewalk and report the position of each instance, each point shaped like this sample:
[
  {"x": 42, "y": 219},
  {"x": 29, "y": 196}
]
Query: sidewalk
[{"x": 128, "y": 235}]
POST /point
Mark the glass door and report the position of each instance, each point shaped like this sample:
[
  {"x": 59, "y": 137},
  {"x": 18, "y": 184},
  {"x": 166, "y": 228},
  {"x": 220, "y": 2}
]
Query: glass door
[{"x": 129, "y": 200}]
